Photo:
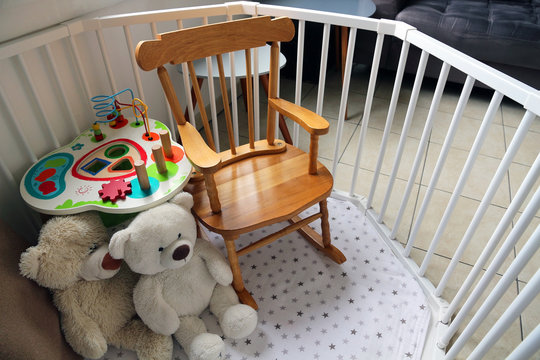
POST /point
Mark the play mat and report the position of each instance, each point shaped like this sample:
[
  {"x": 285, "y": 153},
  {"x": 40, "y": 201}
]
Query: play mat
[{"x": 311, "y": 308}]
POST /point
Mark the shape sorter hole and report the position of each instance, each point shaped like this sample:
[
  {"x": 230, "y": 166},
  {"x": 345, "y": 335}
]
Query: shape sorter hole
[
  {"x": 123, "y": 164},
  {"x": 116, "y": 151}
]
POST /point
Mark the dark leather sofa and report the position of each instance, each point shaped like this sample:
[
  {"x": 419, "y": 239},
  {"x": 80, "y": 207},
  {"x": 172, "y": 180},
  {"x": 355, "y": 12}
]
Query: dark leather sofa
[{"x": 504, "y": 34}]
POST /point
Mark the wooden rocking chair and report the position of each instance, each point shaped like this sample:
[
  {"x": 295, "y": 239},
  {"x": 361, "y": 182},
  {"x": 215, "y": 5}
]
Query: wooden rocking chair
[{"x": 260, "y": 183}]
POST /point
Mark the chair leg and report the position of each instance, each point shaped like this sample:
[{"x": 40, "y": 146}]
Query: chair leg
[
  {"x": 238, "y": 284},
  {"x": 322, "y": 241}
]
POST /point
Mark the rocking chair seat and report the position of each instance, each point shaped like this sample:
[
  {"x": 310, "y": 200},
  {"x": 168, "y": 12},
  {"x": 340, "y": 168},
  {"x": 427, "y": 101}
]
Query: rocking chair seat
[{"x": 252, "y": 196}]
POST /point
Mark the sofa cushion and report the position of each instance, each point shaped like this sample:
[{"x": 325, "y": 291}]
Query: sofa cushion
[{"x": 506, "y": 32}]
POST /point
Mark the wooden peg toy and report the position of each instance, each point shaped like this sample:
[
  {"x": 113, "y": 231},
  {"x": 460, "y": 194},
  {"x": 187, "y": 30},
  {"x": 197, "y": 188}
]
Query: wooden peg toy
[
  {"x": 166, "y": 143},
  {"x": 159, "y": 158},
  {"x": 142, "y": 175}
]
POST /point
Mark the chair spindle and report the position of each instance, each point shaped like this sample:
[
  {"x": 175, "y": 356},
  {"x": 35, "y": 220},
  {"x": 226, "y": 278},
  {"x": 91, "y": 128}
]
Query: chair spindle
[
  {"x": 225, "y": 98},
  {"x": 249, "y": 99},
  {"x": 200, "y": 103}
]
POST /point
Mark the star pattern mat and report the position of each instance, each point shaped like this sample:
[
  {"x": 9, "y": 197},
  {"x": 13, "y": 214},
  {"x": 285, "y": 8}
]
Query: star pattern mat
[{"x": 312, "y": 308}]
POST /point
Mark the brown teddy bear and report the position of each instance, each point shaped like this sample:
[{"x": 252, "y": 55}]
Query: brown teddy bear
[{"x": 92, "y": 291}]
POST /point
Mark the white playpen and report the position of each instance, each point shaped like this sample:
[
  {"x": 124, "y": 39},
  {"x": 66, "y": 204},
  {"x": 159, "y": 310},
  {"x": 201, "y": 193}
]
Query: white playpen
[{"x": 84, "y": 57}]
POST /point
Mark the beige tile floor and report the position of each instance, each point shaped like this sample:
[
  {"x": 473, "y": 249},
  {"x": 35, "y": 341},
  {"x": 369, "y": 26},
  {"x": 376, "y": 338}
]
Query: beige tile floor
[{"x": 501, "y": 132}]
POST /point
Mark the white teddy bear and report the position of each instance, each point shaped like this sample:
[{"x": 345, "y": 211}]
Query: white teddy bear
[{"x": 182, "y": 276}]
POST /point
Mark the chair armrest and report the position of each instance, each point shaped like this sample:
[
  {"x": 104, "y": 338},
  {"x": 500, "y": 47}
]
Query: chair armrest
[
  {"x": 203, "y": 158},
  {"x": 311, "y": 122}
]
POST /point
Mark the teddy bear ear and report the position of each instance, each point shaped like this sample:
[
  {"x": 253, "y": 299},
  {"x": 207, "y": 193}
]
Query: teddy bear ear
[
  {"x": 118, "y": 243},
  {"x": 29, "y": 262},
  {"x": 183, "y": 199}
]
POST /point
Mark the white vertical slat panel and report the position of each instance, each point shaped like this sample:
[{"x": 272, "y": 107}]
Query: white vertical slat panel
[
  {"x": 367, "y": 108},
  {"x": 20, "y": 133},
  {"x": 449, "y": 138},
  {"x": 299, "y": 75},
  {"x": 106, "y": 60},
  {"x": 513, "y": 311},
  {"x": 389, "y": 119},
  {"x": 441, "y": 82},
  {"x": 528, "y": 347},
  {"x": 404, "y": 132},
  {"x": 134, "y": 66},
  {"x": 506, "y": 248},
  {"x": 520, "y": 303},
  {"x": 467, "y": 168},
  {"x": 56, "y": 74},
  {"x": 322, "y": 71},
  {"x": 39, "y": 103},
  {"x": 344, "y": 96},
  {"x": 500, "y": 174},
  {"x": 79, "y": 66},
  {"x": 504, "y": 222}
]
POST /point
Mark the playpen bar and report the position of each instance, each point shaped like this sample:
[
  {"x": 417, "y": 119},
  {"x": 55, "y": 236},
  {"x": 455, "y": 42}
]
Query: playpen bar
[
  {"x": 39, "y": 103},
  {"x": 299, "y": 74},
  {"x": 467, "y": 168},
  {"x": 105, "y": 55},
  {"x": 135, "y": 68},
  {"x": 528, "y": 347},
  {"x": 80, "y": 69},
  {"x": 30, "y": 42},
  {"x": 17, "y": 127},
  {"x": 494, "y": 240},
  {"x": 389, "y": 119},
  {"x": 508, "y": 246},
  {"x": 62, "y": 89},
  {"x": 162, "y": 15},
  {"x": 404, "y": 132},
  {"x": 322, "y": 71},
  {"x": 172, "y": 122},
  {"x": 367, "y": 108},
  {"x": 449, "y": 138},
  {"x": 513, "y": 311},
  {"x": 481, "y": 72},
  {"x": 344, "y": 96},
  {"x": 443, "y": 75},
  {"x": 322, "y": 17},
  {"x": 502, "y": 169}
]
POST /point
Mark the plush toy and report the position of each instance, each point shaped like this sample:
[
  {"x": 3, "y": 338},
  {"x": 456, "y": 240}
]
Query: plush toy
[
  {"x": 182, "y": 276},
  {"x": 92, "y": 291}
]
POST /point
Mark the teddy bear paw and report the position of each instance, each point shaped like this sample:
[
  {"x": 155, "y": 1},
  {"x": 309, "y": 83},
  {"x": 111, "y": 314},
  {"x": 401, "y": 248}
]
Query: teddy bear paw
[
  {"x": 238, "y": 321},
  {"x": 206, "y": 346}
]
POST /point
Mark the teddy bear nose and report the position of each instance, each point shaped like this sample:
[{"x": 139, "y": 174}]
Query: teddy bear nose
[{"x": 181, "y": 252}]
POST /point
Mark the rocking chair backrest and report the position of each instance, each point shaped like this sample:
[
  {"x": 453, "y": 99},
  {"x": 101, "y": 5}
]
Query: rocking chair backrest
[{"x": 187, "y": 45}]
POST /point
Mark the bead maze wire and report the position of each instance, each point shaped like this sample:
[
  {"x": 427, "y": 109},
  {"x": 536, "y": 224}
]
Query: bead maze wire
[{"x": 109, "y": 108}]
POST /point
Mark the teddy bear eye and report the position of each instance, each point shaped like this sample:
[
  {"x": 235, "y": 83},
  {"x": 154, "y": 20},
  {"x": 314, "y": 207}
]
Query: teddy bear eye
[
  {"x": 93, "y": 247},
  {"x": 160, "y": 248}
]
